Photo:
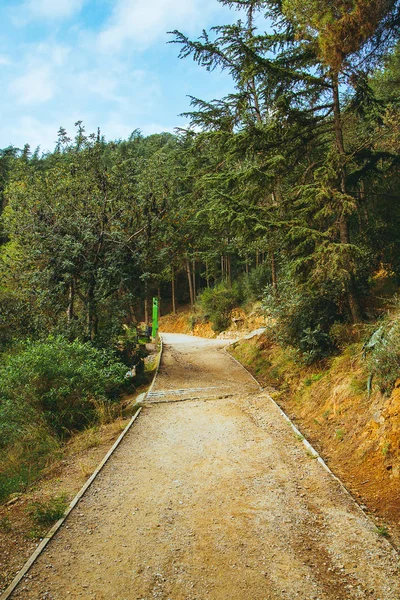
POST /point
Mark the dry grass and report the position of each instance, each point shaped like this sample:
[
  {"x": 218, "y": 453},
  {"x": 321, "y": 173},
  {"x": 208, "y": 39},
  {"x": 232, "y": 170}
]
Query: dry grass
[
  {"x": 86, "y": 467},
  {"x": 107, "y": 412},
  {"x": 84, "y": 440}
]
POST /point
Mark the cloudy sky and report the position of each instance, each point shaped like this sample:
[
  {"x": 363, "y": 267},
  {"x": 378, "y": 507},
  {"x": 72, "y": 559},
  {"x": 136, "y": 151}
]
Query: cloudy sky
[{"x": 105, "y": 62}]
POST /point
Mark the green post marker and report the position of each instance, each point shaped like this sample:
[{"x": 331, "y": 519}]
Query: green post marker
[{"x": 154, "y": 329}]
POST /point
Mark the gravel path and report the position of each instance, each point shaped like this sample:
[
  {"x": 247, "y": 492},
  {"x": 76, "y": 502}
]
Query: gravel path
[{"x": 212, "y": 496}]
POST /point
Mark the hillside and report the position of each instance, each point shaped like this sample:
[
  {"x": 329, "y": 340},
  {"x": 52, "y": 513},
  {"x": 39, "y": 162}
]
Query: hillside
[{"x": 276, "y": 208}]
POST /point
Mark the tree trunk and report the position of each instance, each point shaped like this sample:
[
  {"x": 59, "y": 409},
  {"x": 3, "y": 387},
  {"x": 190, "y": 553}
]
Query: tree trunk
[
  {"x": 273, "y": 272},
  {"x": 251, "y": 83},
  {"x": 337, "y": 119},
  {"x": 146, "y": 309},
  {"x": 92, "y": 320},
  {"x": 173, "y": 291},
  {"x": 194, "y": 277},
  {"x": 352, "y": 296},
  {"x": 95, "y": 326},
  {"x": 364, "y": 220},
  {"x": 189, "y": 275},
  {"x": 71, "y": 301}
]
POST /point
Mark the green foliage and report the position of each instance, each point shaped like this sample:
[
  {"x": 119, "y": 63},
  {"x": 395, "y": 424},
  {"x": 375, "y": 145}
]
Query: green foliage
[
  {"x": 340, "y": 29},
  {"x": 339, "y": 434},
  {"x": 382, "y": 530},
  {"x": 47, "y": 390},
  {"x": 383, "y": 354},
  {"x": 130, "y": 351},
  {"x": 253, "y": 284},
  {"x": 301, "y": 318},
  {"x": 84, "y": 230},
  {"x": 14, "y": 319},
  {"x": 217, "y": 303},
  {"x": 60, "y": 380},
  {"x": 314, "y": 378}
]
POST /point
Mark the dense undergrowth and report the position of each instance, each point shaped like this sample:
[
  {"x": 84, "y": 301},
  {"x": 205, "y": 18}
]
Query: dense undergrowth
[{"x": 48, "y": 390}]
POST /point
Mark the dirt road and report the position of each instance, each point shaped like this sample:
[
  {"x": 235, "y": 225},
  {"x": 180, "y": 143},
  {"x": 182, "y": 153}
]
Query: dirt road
[{"x": 212, "y": 496}]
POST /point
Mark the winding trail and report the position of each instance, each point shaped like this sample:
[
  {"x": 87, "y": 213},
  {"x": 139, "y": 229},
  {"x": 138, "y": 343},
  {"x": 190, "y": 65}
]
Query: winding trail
[{"x": 212, "y": 496}]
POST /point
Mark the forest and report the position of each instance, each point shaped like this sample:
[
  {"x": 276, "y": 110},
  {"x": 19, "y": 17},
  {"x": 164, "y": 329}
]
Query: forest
[{"x": 286, "y": 192}]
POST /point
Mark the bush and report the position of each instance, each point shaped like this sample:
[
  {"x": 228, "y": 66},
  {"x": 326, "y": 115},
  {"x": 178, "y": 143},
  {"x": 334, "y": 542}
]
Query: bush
[
  {"x": 254, "y": 284},
  {"x": 383, "y": 355},
  {"x": 48, "y": 512},
  {"x": 47, "y": 390},
  {"x": 217, "y": 303},
  {"x": 301, "y": 319},
  {"x": 15, "y": 319},
  {"x": 130, "y": 351},
  {"x": 59, "y": 381}
]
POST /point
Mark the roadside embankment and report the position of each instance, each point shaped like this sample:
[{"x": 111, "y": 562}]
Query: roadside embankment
[
  {"x": 188, "y": 320},
  {"x": 356, "y": 434}
]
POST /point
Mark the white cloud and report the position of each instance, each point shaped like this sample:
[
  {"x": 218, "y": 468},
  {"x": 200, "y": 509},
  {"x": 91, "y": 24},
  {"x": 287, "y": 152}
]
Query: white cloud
[
  {"x": 29, "y": 129},
  {"x": 35, "y": 86},
  {"x": 99, "y": 84},
  {"x": 114, "y": 129},
  {"x": 47, "y": 9},
  {"x": 56, "y": 80},
  {"x": 151, "y": 128},
  {"x": 37, "y": 83},
  {"x": 56, "y": 54},
  {"x": 143, "y": 22}
]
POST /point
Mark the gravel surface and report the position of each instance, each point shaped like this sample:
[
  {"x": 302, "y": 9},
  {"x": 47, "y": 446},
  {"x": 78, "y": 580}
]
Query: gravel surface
[{"x": 212, "y": 496}]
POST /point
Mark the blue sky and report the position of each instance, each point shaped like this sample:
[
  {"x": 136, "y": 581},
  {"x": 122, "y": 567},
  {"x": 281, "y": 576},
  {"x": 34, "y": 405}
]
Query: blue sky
[{"x": 105, "y": 62}]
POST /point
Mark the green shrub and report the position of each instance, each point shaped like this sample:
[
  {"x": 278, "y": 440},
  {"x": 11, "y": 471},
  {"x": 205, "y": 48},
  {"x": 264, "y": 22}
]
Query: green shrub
[
  {"x": 59, "y": 381},
  {"x": 310, "y": 380},
  {"x": 254, "y": 283},
  {"x": 15, "y": 318},
  {"x": 47, "y": 390},
  {"x": 217, "y": 303},
  {"x": 383, "y": 355},
  {"x": 301, "y": 318},
  {"x": 339, "y": 434},
  {"x": 47, "y": 512},
  {"x": 130, "y": 351}
]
